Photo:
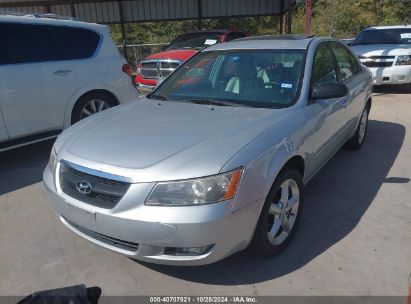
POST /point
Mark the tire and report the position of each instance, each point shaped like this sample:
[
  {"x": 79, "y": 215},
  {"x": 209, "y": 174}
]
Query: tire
[
  {"x": 91, "y": 103},
  {"x": 271, "y": 235},
  {"x": 356, "y": 142}
]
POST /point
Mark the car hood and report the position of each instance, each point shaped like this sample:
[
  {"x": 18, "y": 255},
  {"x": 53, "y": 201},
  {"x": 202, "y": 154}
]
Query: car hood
[
  {"x": 382, "y": 49},
  {"x": 155, "y": 141},
  {"x": 180, "y": 55}
]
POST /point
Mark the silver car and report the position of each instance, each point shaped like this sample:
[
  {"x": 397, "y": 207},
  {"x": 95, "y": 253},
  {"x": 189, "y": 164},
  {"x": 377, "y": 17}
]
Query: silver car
[{"x": 216, "y": 158}]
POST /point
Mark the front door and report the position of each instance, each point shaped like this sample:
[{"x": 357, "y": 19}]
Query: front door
[
  {"x": 330, "y": 114},
  {"x": 350, "y": 74}
]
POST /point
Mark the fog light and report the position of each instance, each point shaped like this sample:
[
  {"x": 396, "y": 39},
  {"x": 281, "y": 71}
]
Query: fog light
[{"x": 187, "y": 251}]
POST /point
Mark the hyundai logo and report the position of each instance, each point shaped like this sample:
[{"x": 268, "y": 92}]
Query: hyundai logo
[{"x": 84, "y": 187}]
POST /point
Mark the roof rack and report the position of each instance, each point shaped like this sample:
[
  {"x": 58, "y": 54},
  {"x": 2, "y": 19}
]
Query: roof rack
[{"x": 37, "y": 15}]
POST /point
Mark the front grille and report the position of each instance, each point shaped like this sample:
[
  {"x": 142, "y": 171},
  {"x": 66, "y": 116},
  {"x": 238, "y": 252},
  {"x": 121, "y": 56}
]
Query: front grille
[
  {"x": 149, "y": 69},
  {"x": 124, "y": 245},
  {"x": 105, "y": 193},
  {"x": 378, "y": 64},
  {"x": 157, "y": 69}
]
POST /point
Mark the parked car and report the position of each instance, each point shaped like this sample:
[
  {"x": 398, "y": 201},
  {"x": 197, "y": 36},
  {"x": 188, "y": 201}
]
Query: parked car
[
  {"x": 386, "y": 51},
  {"x": 216, "y": 158},
  {"x": 348, "y": 41},
  {"x": 158, "y": 66},
  {"x": 53, "y": 73}
]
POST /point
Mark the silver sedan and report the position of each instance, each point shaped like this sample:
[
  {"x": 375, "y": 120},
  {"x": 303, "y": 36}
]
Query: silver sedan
[{"x": 214, "y": 160}]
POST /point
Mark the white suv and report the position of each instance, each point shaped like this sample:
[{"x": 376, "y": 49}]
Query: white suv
[
  {"x": 386, "y": 51},
  {"x": 54, "y": 73}
]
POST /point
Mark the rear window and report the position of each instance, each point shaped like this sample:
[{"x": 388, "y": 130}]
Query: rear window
[
  {"x": 74, "y": 43},
  {"x": 22, "y": 43},
  {"x": 384, "y": 36}
]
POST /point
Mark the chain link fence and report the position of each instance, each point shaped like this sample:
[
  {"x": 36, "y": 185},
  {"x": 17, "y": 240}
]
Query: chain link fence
[{"x": 137, "y": 52}]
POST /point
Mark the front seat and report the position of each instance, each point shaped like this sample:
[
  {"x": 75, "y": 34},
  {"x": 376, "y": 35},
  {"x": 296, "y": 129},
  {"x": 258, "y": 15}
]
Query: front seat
[{"x": 245, "y": 79}]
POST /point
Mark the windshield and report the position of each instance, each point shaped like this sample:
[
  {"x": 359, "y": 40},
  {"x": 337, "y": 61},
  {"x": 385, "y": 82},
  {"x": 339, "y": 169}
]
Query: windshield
[
  {"x": 255, "y": 78},
  {"x": 386, "y": 36},
  {"x": 195, "y": 41}
]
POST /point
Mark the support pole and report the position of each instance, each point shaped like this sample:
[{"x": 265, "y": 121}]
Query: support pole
[
  {"x": 72, "y": 9},
  {"x": 308, "y": 14},
  {"x": 281, "y": 23},
  {"x": 289, "y": 15},
  {"x": 200, "y": 15},
  {"x": 123, "y": 30}
]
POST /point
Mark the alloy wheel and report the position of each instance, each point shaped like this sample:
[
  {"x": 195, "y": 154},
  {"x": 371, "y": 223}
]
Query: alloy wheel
[
  {"x": 283, "y": 212},
  {"x": 92, "y": 107}
]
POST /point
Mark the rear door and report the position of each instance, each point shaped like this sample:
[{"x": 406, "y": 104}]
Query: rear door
[{"x": 35, "y": 85}]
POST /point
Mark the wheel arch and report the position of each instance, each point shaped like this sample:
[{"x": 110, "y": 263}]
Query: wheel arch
[
  {"x": 81, "y": 93},
  {"x": 368, "y": 103}
]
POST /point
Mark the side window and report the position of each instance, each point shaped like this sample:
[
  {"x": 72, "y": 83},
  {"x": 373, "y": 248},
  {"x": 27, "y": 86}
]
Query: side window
[
  {"x": 74, "y": 43},
  {"x": 344, "y": 61},
  {"x": 323, "y": 68},
  {"x": 240, "y": 35},
  {"x": 354, "y": 63},
  {"x": 22, "y": 43},
  {"x": 234, "y": 35},
  {"x": 231, "y": 36}
]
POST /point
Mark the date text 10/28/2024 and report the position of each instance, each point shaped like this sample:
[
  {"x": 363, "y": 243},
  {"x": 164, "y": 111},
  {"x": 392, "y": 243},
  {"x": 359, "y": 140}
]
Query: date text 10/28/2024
[{"x": 205, "y": 299}]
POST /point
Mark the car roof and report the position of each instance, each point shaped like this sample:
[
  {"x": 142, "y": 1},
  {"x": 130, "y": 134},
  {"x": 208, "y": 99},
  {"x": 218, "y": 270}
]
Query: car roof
[
  {"x": 388, "y": 27},
  {"x": 267, "y": 42},
  {"x": 33, "y": 19}
]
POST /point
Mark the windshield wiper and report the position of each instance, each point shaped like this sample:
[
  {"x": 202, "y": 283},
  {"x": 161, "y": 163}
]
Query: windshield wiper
[
  {"x": 157, "y": 97},
  {"x": 212, "y": 102}
]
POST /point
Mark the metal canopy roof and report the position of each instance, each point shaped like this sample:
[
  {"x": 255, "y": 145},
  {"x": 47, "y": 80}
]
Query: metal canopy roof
[{"x": 119, "y": 11}]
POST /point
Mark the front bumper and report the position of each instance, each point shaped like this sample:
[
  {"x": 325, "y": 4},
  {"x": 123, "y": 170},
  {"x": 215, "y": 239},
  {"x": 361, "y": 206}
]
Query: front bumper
[
  {"x": 395, "y": 74},
  {"x": 144, "y": 89},
  {"x": 145, "y": 86},
  {"x": 144, "y": 232}
]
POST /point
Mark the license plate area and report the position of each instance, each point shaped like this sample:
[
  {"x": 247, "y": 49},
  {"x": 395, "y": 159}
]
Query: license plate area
[{"x": 80, "y": 216}]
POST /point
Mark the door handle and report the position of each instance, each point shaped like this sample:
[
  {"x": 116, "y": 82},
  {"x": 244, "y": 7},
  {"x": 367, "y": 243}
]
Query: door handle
[{"x": 62, "y": 72}]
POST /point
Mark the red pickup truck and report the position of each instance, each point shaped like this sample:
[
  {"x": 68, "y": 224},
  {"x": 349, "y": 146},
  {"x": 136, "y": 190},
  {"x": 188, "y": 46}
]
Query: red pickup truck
[{"x": 160, "y": 65}]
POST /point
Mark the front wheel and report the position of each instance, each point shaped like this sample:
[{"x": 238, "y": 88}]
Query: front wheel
[
  {"x": 280, "y": 214},
  {"x": 359, "y": 136}
]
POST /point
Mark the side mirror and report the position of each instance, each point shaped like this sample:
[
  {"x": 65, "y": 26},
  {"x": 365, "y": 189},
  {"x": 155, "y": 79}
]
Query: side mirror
[{"x": 329, "y": 90}]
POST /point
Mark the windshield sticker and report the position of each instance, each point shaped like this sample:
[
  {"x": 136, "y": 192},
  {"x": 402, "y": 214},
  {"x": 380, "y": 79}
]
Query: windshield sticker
[
  {"x": 195, "y": 72},
  {"x": 405, "y": 35},
  {"x": 287, "y": 85},
  {"x": 210, "y": 42}
]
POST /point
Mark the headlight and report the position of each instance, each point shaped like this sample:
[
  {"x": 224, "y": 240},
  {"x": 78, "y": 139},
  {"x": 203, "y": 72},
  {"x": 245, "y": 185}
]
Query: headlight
[
  {"x": 53, "y": 160},
  {"x": 195, "y": 191},
  {"x": 403, "y": 60}
]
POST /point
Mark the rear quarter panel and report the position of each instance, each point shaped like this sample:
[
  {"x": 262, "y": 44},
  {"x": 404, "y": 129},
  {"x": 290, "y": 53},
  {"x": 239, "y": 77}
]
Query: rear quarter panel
[{"x": 103, "y": 71}]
